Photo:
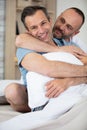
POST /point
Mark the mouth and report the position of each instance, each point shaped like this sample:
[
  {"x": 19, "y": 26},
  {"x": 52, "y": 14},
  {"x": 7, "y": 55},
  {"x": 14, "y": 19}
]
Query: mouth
[
  {"x": 58, "y": 33},
  {"x": 43, "y": 36}
]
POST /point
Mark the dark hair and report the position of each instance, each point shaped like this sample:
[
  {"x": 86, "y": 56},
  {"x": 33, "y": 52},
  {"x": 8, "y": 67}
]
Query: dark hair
[
  {"x": 77, "y": 10},
  {"x": 31, "y": 10}
]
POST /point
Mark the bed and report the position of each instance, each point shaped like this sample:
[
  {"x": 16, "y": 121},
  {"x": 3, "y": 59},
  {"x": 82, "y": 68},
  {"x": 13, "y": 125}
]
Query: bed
[
  {"x": 6, "y": 112},
  {"x": 74, "y": 119}
]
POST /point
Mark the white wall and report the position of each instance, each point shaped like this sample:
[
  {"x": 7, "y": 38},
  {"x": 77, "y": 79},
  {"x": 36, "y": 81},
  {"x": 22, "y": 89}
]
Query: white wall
[
  {"x": 2, "y": 33},
  {"x": 82, "y": 4}
]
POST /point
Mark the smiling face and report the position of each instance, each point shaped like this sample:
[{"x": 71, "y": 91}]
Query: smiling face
[
  {"x": 39, "y": 26},
  {"x": 67, "y": 24}
]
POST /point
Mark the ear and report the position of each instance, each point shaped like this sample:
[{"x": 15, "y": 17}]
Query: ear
[
  {"x": 28, "y": 32},
  {"x": 76, "y": 33},
  {"x": 50, "y": 21}
]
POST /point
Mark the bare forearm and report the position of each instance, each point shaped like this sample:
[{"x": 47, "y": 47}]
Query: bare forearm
[
  {"x": 67, "y": 70},
  {"x": 52, "y": 68},
  {"x": 76, "y": 81},
  {"x": 29, "y": 42}
]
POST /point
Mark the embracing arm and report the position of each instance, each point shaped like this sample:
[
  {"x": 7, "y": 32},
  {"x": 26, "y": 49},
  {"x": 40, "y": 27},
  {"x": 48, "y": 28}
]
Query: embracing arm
[
  {"x": 55, "y": 87},
  {"x": 37, "y": 63},
  {"x": 58, "y": 70},
  {"x": 29, "y": 42}
]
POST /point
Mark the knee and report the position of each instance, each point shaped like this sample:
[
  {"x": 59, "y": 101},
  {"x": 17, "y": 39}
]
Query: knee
[{"x": 11, "y": 91}]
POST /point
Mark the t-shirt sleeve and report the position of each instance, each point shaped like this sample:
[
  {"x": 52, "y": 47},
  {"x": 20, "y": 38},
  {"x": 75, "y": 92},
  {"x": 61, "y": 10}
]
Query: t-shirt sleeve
[{"x": 21, "y": 53}]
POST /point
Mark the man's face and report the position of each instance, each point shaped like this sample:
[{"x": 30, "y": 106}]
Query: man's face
[
  {"x": 39, "y": 26},
  {"x": 67, "y": 24}
]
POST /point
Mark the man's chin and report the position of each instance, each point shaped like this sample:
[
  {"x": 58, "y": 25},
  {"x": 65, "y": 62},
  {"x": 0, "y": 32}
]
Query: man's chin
[{"x": 57, "y": 36}]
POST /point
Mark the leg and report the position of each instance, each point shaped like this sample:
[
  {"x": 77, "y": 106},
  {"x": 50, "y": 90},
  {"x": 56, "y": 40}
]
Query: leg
[{"x": 16, "y": 95}]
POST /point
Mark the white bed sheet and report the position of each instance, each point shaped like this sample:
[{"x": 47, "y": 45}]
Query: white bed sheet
[
  {"x": 75, "y": 119},
  {"x": 6, "y": 112}
]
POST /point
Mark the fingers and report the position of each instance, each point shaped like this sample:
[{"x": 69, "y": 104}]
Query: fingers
[
  {"x": 76, "y": 53},
  {"x": 79, "y": 51},
  {"x": 55, "y": 87},
  {"x": 54, "y": 91}
]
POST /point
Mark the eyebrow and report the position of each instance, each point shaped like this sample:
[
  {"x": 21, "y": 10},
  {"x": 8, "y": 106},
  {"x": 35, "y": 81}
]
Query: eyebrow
[{"x": 70, "y": 26}]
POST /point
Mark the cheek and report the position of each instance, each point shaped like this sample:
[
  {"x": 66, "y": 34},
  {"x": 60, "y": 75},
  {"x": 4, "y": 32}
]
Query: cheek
[
  {"x": 58, "y": 23},
  {"x": 33, "y": 33},
  {"x": 67, "y": 31},
  {"x": 49, "y": 30}
]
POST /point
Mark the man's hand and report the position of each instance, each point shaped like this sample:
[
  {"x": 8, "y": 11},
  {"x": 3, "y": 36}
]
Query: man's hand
[
  {"x": 83, "y": 58},
  {"x": 56, "y": 87},
  {"x": 72, "y": 49}
]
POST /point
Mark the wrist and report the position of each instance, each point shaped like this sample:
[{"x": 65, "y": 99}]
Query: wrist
[{"x": 69, "y": 82}]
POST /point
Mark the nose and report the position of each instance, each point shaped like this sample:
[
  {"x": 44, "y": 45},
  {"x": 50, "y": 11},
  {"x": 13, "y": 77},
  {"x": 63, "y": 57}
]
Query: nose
[
  {"x": 63, "y": 27},
  {"x": 40, "y": 29}
]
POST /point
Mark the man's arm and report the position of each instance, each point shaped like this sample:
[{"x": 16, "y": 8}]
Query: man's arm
[
  {"x": 55, "y": 87},
  {"x": 29, "y": 42},
  {"x": 37, "y": 63}
]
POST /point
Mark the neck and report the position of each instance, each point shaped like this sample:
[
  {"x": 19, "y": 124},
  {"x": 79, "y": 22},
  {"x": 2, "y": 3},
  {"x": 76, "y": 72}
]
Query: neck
[
  {"x": 68, "y": 39},
  {"x": 52, "y": 43}
]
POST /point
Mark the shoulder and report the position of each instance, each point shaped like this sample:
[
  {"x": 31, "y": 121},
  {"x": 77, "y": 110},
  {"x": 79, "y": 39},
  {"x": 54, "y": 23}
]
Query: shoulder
[{"x": 22, "y": 52}]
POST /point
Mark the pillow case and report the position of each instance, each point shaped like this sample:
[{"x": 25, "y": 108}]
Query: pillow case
[{"x": 36, "y": 82}]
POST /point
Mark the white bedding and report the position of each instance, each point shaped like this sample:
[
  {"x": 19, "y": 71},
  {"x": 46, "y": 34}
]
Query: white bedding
[
  {"x": 75, "y": 119},
  {"x": 44, "y": 118},
  {"x": 6, "y": 112}
]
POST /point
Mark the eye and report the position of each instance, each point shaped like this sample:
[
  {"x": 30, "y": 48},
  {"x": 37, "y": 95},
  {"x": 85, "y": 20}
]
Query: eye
[
  {"x": 62, "y": 20},
  {"x": 69, "y": 27},
  {"x": 33, "y": 28},
  {"x": 43, "y": 23}
]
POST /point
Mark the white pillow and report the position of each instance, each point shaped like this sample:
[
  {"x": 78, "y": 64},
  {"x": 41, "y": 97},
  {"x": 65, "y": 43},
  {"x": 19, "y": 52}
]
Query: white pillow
[{"x": 36, "y": 82}]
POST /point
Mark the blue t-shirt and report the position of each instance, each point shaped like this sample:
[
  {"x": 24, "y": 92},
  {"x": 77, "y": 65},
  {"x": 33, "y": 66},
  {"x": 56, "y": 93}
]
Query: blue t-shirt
[
  {"x": 64, "y": 43},
  {"x": 22, "y": 52}
]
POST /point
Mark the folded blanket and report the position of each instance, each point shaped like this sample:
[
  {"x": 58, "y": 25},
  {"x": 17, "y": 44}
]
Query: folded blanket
[{"x": 36, "y": 82}]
